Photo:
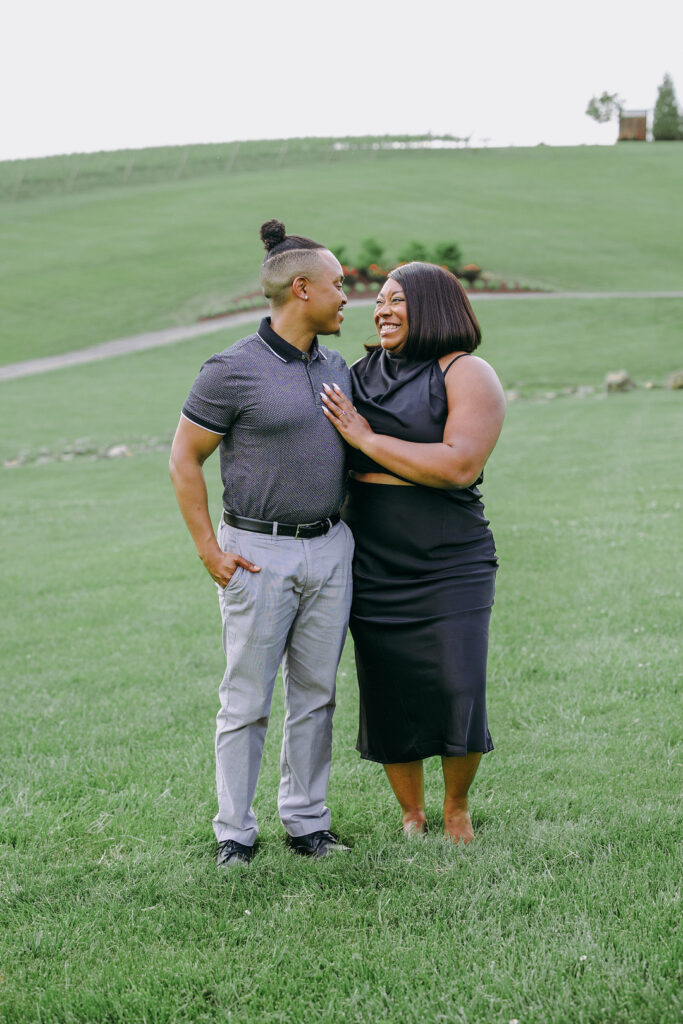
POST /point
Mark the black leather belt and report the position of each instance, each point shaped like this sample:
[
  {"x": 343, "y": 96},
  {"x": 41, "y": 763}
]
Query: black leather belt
[{"x": 302, "y": 530}]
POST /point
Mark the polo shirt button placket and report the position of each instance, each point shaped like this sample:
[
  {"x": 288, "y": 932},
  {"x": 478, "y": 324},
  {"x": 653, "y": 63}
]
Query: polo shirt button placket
[{"x": 307, "y": 363}]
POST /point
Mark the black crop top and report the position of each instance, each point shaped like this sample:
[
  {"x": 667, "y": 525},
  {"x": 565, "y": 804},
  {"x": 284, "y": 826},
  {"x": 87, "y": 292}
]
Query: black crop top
[{"x": 403, "y": 399}]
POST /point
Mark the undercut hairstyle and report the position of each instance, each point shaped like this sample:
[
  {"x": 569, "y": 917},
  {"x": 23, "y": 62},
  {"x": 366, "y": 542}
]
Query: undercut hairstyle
[
  {"x": 287, "y": 257},
  {"x": 440, "y": 317}
]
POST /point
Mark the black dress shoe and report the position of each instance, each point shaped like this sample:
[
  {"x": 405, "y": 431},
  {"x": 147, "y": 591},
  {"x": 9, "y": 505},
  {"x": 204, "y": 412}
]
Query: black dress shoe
[
  {"x": 317, "y": 844},
  {"x": 231, "y": 853}
]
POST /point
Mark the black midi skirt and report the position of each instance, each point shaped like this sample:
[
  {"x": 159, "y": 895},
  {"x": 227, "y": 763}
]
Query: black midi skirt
[{"x": 424, "y": 578}]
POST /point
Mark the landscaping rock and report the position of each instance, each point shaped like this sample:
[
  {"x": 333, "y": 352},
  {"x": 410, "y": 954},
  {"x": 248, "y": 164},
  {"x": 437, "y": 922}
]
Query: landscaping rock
[
  {"x": 675, "y": 380},
  {"x": 619, "y": 380},
  {"x": 117, "y": 451},
  {"x": 513, "y": 395},
  {"x": 584, "y": 390}
]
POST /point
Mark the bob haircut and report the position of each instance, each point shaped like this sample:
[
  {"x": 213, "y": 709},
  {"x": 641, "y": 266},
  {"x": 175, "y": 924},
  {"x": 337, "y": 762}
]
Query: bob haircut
[{"x": 440, "y": 318}]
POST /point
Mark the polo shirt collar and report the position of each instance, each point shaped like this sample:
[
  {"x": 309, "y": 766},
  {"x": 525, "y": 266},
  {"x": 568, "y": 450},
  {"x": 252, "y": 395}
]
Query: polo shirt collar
[{"x": 282, "y": 348}]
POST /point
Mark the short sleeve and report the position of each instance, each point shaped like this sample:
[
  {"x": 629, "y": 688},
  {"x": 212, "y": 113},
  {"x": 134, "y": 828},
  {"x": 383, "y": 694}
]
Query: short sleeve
[{"x": 213, "y": 399}]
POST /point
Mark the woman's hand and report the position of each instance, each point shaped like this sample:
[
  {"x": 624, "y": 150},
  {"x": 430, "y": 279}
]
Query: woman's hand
[{"x": 353, "y": 427}]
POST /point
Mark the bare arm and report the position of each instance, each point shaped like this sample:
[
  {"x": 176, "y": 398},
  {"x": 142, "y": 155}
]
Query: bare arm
[
  {"x": 476, "y": 407},
  {"x": 191, "y": 447}
]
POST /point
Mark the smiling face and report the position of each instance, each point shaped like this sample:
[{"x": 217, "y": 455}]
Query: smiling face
[
  {"x": 325, "y": 294},
  {"x": 391, "y": 316}
]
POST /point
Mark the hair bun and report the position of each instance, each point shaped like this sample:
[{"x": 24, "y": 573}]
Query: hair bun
[{"x": 272, "y": 233}]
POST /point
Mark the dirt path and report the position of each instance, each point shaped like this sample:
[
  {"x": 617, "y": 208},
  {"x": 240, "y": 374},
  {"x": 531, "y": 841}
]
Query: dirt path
[{"x": 154, "y": 339}]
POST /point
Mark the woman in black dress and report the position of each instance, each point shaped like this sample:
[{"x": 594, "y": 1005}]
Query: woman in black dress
[{"x": 426, "y": 418}]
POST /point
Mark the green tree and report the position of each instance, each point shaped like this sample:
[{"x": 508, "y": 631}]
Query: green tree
[
  {"x": 666, "y": 124},
  {"x": 603, "y": 108}
]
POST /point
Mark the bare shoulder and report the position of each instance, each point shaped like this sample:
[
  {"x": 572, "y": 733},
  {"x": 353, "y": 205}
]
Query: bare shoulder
[
  {"x": 471, "y": 372},
  {"x": 475, "y": 397}
]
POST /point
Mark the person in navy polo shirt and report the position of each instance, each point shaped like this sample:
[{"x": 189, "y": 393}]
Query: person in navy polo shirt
[{"x": 282, "y": 556}]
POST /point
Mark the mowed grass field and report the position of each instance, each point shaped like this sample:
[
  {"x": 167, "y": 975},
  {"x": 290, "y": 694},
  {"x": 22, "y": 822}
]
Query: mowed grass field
[
  {"x": 78, "y": 269},
  {"x": 567, "y": 906},
  {"x": 112, "y": 909}
]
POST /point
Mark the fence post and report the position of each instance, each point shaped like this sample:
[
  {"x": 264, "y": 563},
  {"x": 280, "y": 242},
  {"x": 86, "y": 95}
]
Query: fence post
[
  {"x": 282, "y": 154},
  {"x": 233, "y": 157},
  {"x": 72, "y": 178},
  {"x": 18, "y": 185},
  {"x": 129, "y": 168},
  {"x": 181, "y": 166}
]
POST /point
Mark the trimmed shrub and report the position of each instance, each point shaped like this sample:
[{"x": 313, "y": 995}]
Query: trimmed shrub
[
  {"x": 413, "y": 252},
  {"x": 371, "y": 252},
  {"x": 470, "y": 272},
  {"x": 447, "y": 254}
]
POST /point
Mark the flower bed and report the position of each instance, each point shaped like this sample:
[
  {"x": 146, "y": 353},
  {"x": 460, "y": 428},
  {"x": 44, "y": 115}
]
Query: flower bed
[{"x": 365, "y": 278}]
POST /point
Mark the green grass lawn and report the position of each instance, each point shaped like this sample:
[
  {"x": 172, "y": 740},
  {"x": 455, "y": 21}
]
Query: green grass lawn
[
  {"x": 566, "y": 908},
  {"x": 81, "y": 268},
  {"x": 536, "y": 347},
  {"x": 21, "y": 180}
]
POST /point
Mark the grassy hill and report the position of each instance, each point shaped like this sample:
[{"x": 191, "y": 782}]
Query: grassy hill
[
  {"x": 79, "y": 267},
  {"x": 566, "y": 907}
]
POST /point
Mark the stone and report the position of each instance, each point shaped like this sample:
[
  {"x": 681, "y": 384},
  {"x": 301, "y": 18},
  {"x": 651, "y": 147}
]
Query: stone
[
  {"x": 619, "y": 380},
  {"x": 513, "y": 395},
  {"x": 117, "y": 451},
  {"x": 675, "y": 380}
]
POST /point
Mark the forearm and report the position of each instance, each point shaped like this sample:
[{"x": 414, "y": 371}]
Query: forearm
[
  {"x": 190, "y": 490},
  {"x": 432, "y": 465},
  {"x": 456, "y": 462}
]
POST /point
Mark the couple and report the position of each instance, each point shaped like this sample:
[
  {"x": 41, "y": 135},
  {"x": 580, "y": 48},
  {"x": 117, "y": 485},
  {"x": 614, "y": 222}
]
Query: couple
[{"x": 411, "y": 425}]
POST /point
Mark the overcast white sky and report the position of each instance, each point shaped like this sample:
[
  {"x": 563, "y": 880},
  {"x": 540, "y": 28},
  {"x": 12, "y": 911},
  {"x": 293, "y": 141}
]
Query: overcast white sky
[{"x": 85, "y": 75}]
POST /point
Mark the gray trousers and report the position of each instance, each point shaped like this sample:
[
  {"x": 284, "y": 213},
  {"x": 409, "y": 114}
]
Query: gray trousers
[{"x": 295, "y": 612}]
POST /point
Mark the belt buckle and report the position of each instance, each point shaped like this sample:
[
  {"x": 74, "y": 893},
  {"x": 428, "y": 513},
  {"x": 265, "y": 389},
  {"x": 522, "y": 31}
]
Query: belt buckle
[{"x": 304, "y": 526}]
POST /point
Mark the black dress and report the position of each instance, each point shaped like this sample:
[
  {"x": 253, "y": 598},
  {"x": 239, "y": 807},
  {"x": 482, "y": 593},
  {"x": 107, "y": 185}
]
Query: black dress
[{"x": 424, "y": 576}]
